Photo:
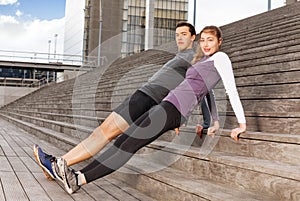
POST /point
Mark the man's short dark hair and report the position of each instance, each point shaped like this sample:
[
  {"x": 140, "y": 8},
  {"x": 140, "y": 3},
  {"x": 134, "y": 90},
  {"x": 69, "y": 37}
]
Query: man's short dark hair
[{"x": 184, "y": 23}]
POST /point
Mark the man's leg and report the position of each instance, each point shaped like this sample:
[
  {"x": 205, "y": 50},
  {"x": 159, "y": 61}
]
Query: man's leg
[
  {"x": 113, "y": 125},
  {"x": 116, "y": 123}
]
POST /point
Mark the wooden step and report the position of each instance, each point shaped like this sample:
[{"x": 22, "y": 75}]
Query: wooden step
[{"x": 173, "y": 184}]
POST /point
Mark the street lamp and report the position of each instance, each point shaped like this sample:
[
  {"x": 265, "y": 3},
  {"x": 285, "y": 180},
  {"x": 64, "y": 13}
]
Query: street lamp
[
  {"x": 55, "y": 41},
  {"x": 194, "y": 13},
  {"x": 49, "y": 44}
]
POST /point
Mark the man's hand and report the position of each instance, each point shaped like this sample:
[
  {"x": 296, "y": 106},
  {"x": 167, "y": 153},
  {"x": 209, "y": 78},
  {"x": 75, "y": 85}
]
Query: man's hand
[
  {"x": 177, "y": 129},
  {"x": 237, "y": 131},
  {"x": 199, "y": 130}
]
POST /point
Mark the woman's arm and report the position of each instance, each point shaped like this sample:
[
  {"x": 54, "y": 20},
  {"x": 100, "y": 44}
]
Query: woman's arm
[
  {"x": 212, "y": 105},
  {"x": 224, "y": 67},
  {"x": 214, "y": 113}
]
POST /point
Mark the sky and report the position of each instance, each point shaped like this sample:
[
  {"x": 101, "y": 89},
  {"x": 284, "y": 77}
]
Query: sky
[
  {"x": 29, "y": 25},
  {"x": 221, "y": 12}
]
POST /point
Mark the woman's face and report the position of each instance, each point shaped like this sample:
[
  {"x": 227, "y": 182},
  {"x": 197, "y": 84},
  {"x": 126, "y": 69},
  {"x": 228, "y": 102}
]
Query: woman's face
[{"x": 209, "y": 43}]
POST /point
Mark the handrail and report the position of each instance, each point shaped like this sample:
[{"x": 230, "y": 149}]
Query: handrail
[
  {"x": 40, "y": 57},
  {"x": 22, "y": 82}
]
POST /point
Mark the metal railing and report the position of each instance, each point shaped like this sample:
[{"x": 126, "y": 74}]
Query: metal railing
[{"x": 37, "y": 57}]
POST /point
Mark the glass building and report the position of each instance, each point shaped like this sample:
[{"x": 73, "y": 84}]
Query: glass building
[
  {"x": 163, "y": 17},
  {"x": 132, "y": 25}
]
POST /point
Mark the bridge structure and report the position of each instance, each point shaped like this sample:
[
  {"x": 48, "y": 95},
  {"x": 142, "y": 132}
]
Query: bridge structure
[
  {"x": 24, "y": 72},
  {"x": 21, "y": 69}
]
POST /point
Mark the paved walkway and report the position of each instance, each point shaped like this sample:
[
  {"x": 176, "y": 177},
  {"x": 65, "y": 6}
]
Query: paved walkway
[{"x": 22, "y": 179}]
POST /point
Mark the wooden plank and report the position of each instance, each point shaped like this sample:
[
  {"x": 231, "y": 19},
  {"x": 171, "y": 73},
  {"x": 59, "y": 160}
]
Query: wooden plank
[
  {"x": 97, "y": 192},
  {"x": 275, "y": 46},
  {"x": 52, "y": 189},
  {"x": 114, "y": 190},
  {"x": 271, "y": 107},
  {"x": 14, "y": 146},
  {"x": 5, "y": 166},
  {"x": 263, "y": 51},
  {"x": 17, "y": 164},
  {"x": 267, "y": 68},
  {"x": 1, "y": 151},
  {"x": 7, "y": 150},
  {"x": 283, "y": 108},
  {"x": 268, "y": 60},
  {"x": 265, "y": 124},
  {"x": 269, "y": 79},
  {"x": 270, "y": 91},
  {"x": 13, "y": 190},
  {"x": 137, "y": 194},
  {"x": 277, "y": 27},
  {"x": 2, "y": 197},
  {"x": 33, "y": 189}
]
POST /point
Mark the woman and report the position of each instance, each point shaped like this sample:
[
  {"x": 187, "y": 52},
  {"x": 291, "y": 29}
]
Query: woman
[{"x": 210, "y": 66}]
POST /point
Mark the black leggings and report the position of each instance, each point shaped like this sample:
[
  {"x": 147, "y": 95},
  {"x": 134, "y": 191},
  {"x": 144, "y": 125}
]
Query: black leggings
[{"x": 143, "y": 131}]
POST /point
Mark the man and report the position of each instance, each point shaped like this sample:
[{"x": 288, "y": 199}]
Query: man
[{"x": 149, "y": 95}]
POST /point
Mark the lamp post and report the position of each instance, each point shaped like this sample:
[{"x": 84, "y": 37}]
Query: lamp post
[
  {"x": 269, "y": 5},
  {"x": 194, "y": 12},
  {"x": 100, "y": 33},
  {"x": 49, "y": 44},
  {"x": 55, "y": 41},
  {"x": 149, "y": 24}
]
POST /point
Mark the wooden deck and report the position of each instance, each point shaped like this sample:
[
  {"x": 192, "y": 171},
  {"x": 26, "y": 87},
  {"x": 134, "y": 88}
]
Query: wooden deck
[{"x": 22, "y": 179}]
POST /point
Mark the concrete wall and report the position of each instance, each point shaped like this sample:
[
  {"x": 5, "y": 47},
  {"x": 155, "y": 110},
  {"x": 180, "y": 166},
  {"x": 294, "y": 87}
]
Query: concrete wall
[
  {"x": 290, "y": 1},
  {"x": 9, "y": 94}
]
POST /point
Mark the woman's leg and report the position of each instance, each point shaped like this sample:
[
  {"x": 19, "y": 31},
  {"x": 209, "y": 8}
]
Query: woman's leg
[
  {"x": 145, "y": 130},
  {"x": 116, "y": 123}
]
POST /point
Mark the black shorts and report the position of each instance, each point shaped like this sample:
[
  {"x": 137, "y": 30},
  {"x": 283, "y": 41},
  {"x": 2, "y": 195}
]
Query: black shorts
[{"x": 134, "y": 106}]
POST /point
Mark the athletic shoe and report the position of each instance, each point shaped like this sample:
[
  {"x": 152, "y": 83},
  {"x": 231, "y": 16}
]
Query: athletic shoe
[
  {"x": 44, "y": 160},
  {"x": 56, "y": 169},
  {"x": 69, "y": 176}
]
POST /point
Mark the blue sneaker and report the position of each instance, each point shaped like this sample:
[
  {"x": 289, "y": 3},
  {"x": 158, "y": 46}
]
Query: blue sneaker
[{"x": 44, "y": 160}]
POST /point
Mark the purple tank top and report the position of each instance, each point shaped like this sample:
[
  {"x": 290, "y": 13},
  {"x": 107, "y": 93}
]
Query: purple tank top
[{"x": 200, "y": 78}]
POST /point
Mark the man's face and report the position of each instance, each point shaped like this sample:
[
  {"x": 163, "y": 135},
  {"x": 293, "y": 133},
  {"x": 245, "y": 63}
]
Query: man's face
[{"x": 184, "y": 38}]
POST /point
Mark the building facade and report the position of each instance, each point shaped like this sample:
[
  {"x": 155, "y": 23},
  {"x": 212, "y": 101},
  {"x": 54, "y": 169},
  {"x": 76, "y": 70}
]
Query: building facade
[
  {"x": 150, "y": 23},
  {"x": 131, "y": 26},
  {"x": 74, "y": 30}
]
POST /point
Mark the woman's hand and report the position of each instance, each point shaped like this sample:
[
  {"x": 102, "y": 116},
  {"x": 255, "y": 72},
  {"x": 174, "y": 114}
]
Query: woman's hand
[
  {"x": 237, "y": 131},
  {"x": 213, "y": 129}
]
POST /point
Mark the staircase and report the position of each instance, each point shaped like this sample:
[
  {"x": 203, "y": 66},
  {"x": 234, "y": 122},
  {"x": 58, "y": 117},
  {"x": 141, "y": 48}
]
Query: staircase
[{"x": 263, "y": 165}]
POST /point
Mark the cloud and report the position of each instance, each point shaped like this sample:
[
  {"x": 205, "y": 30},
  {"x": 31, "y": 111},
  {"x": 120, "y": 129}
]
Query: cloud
[
  {"x": 31, "y": 35},
  {"x": 20, "y": 32},
  {"x": 19, "y": 13},
  {"x": 5, "y": 19},
  {"x": 8, "y": 2}
]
